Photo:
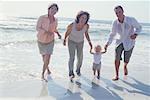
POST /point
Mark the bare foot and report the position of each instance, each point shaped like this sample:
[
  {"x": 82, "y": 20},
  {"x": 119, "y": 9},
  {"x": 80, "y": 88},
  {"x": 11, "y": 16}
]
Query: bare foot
[
  {"x": 71, "y": 78},
  {"x": 98, "y": 77},
  {"x": 43, "y": 79},
  {"x": 49, "y": 72},
  {"x": 115, "y": 79},
  {"x": 125, "y": 71}
]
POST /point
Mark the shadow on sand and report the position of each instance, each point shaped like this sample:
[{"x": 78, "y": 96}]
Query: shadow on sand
[
  {"x": 55, "y": 90},
  {"x": 95, "y": 90},
  {"x": 139, "y": 87}
]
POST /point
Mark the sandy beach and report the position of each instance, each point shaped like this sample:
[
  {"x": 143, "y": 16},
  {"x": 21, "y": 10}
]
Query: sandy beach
[
  {"x": 21, "y": 66},
  {"x": 82, "y": 88},
  {"x": 27, "y": 85}
]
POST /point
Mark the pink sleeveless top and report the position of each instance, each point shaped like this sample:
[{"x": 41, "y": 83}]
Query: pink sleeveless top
[{"x": 44, "y": 25}]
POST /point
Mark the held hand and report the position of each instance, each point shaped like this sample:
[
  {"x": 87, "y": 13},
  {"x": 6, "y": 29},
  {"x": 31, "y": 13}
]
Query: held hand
[
  {"x": 91, "y": 51},
  {"x": 59, "y": 36},
  {"x": 106, "y": 47},
  {"x": 64, "y": 43},
  {"x": 133, "y": 36},
  {"x": 90, "y": 45},
  {"x": 105, "y": 50}
]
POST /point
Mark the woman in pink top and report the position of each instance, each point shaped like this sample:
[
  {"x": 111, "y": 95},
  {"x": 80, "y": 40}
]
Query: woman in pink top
[{"x": 46, "y": 28}]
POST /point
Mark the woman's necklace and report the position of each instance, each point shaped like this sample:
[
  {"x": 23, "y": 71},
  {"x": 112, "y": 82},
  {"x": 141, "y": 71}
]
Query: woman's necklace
[{"x": 79, "y": 27}]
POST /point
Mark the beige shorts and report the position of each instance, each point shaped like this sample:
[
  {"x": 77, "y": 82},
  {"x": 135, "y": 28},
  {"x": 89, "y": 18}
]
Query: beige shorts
[
  {"x": 46, "y": 48},
  {"x": 118, "y": 53}
]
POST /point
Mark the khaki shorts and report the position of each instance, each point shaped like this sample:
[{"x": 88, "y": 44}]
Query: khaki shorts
[
  {"x": 46, "y": 48},
  {"x": 118, "y": 53},
  {"x": 96, "y": 66}
]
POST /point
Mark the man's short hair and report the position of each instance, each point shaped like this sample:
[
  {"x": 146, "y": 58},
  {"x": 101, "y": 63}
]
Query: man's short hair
[{"x": 119, "y": 7}]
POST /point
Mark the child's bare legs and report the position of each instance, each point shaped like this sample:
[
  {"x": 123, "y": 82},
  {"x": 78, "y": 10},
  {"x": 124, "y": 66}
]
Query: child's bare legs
[
  {"x": 46, "y": 59},
  {"x": 98, "y": 73},
  {"x": 94, "y": 71}
]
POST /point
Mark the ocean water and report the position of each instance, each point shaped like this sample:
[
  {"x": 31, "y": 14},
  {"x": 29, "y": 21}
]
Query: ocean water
[{"x": 20, "y": 58}]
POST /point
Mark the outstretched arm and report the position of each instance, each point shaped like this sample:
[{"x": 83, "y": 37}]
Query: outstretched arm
[
  {"x": 56, "y": 31},
  {"x": 104, "y": 52},
  {"x": 58, "y": 34},
  {"x": 105, "y": 48},
  {"x": 88, "y": 38},
  {"x": 69, "y": 28},
  {"x": 91, "y": 52},
  {"x": 111, "y": 35}
]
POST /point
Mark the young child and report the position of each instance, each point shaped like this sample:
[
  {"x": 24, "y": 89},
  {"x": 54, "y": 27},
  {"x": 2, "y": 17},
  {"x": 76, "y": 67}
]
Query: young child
[{"x": 97, "y": 60}]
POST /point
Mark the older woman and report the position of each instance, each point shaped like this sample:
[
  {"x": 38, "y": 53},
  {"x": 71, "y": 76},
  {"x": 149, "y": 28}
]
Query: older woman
[
  {"x": 47, "y": 27},
  {"x": 75, "y": 33}
]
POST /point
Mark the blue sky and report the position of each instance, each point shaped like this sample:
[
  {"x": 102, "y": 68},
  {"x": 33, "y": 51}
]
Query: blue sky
[{"x": 100, "y": 10}]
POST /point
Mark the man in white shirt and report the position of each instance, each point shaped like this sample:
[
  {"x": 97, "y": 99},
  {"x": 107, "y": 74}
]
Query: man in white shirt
[{"x": 127, "y": 29}]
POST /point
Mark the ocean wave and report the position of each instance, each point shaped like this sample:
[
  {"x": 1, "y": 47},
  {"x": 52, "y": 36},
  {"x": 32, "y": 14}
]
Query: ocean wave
[
  {"x": 30, "y": 18},
  {"x": 144, "y": 34},
  {"x": 25, "y": 25},
  {"x": 29, "y": 42},
  {"x": 100, "y": 21},
  {"x": 18, "y": 42},
  {"x": 17, "y": 22},
  {"x": 17, "y": 29},
  {"x": 3, "y": 25}
]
